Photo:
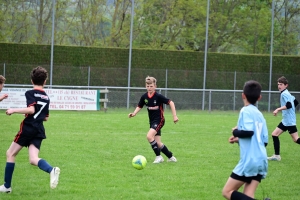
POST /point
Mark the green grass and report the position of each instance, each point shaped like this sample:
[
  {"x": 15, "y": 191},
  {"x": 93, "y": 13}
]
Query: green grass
[{"x": 94, "y": 151}]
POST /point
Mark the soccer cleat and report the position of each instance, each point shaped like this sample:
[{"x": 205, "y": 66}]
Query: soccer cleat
[
  {"x": 54, "y": 175},
  {"x": 158, "y": 159},
  {"x": 4, "y": 189},
  {"x": 172, "y": 159},
  {"x": 275, "y": 157}
]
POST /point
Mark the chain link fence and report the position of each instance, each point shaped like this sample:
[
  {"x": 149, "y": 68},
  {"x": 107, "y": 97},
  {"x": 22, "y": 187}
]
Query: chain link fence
[
  {"x": 191, "y": 99},
  {"x": 118, "y": 77}
]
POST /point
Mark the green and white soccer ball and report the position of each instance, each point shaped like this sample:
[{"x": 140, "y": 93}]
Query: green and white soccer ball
[{"x": 139, "y": 162}]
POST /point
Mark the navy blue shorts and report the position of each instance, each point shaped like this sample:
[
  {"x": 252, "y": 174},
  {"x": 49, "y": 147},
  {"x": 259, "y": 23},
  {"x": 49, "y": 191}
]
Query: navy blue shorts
[{"x": 28, "y": 135}]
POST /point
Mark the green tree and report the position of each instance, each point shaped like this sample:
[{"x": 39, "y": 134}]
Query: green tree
[
  {"x": 169, "y": 24},
  {"x": 287, "y": 27},
  {"x": 239, "y": 26}
]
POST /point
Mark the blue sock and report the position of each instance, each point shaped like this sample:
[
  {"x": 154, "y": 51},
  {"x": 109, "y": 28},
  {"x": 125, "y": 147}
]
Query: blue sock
[
  {"x": 9, "y": 170},
  {"x": 43, "y": 165}
]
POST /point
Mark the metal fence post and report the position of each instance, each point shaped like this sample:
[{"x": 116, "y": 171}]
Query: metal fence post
[
  {"x": 52, "y": 42},
  {"x": 271, "y": 54},
  {"x": 89, "y": 74},
  {"x": 209, "y": 101},
  {"x": 130, "y": 52},
  {"x": 205, "y": 54},
  {"x": 234, "y": 86},
  {"x": 166, "y": 85},
  {"x": 4, "y": 69}
]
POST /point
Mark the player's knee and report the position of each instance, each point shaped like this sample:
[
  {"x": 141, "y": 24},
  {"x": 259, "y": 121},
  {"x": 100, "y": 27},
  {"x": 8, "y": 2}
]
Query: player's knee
[
  {"x": 226, "y": 194},
  {"x": 10, "y": 154},
  {"x": 296, "y": 140},
  {"x": 275, "y": 134},
  {"x": 33, "y": 161},
  {"x": 150, "y": 138},
  {"x": 275, "y": 137}
]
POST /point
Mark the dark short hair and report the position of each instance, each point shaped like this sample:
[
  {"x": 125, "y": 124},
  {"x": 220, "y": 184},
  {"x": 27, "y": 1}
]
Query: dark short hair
[
  {"x": 252, "y": 91},
  {"x": 282, "y": 80},
  {"x": 39, "y": 75}
]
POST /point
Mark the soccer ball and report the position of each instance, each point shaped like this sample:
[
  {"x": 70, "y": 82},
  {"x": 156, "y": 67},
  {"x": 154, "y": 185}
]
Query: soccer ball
[{"x": 139, "y": 162}]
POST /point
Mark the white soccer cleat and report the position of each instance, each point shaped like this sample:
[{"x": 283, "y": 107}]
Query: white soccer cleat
[
  {"x": 4, "y": 189},
  {"x": 54, "y": 176},
  {"x": 158, "y": 159},
  {"x": 275, "y": 157},
  {"x": 172, "y": 159}
]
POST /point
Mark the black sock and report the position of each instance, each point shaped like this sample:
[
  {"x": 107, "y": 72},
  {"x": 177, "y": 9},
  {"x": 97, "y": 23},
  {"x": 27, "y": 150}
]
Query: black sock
[
  {"x": 276, "y": 143},
  {"x": 239, "y": 196},
  {"x": 155, "y": 148},
  {"x": 166, "y": 151},
  {"x": 298, "y": 141}
]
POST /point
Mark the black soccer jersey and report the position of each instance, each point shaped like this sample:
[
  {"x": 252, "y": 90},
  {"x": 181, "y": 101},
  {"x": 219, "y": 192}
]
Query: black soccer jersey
[
  {"x": 154, "y": 105},
  {"x": 40, "y": 100}
]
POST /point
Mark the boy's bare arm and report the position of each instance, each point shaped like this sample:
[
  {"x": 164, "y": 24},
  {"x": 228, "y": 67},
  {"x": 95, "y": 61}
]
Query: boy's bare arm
[
  {"x": 279, "y": 109},
  {"x": 28, "y": 110},
  {"x": 173, "y": 109},
  {"x": 137, "y": 109}
]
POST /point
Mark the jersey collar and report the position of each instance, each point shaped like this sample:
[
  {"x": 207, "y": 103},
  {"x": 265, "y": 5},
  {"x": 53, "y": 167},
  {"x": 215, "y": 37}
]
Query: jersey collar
[{"x": 150, "y": 96}]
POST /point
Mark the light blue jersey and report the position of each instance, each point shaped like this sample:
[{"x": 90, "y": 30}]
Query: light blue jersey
[
  {"x": 288, "y": 115},
  {"x": 253, "y": 154}
]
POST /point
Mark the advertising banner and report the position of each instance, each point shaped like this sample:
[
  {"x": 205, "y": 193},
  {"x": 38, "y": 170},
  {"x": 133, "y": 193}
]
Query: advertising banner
[{"x": 60, "y": 99}]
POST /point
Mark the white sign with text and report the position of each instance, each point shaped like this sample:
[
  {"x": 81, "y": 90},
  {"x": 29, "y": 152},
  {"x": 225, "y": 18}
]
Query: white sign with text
[{"x": 60, "y": 99}]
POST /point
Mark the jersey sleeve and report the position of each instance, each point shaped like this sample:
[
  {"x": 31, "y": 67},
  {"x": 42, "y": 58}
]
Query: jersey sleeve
[
  {"x": 285, "y": 98},
  {"x": 164, "y": 99},
  {"x": 296, "y": 103},
  {"x": 246, "y": 123},
  {"x": 30, "y": 100},
  {"x": 141, "y": 102}
]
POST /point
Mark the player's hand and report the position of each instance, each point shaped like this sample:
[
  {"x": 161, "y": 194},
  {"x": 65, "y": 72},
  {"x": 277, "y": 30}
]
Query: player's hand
[
  {"x": 4, "y": 96},
  {"x": 275, "y": 112},
  {"x": 175, "y": 119},
  {"x": 233, "y": 139},
  {"x": 9, "y": 111},
  {"x": 131, "y": 115}
]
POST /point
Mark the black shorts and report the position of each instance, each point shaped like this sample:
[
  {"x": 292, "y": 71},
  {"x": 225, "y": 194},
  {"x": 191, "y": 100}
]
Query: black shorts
[
  {"x": 290, "y": 129},
  {"x": 157, "y": 126},
  {"x": 27, "y": 136},
  {"x": 245, "y": 179}
]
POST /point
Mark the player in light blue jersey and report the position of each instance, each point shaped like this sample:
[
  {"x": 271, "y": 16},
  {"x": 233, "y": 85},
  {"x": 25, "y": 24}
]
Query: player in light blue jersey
[
  {"x": 288, "y": 105},
  {"x": 251, "y": 134}
]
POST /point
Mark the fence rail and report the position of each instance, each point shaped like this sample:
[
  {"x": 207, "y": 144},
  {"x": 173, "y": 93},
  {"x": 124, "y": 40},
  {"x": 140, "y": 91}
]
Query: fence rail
[{"x": 185, "y": 99}]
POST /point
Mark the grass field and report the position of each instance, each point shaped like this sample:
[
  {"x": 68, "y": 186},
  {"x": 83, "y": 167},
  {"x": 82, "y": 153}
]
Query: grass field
[{"x": 94, "y": 151}]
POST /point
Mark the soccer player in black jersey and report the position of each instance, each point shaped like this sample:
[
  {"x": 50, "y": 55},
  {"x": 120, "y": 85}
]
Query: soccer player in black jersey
[
  {"x": 154, "y": 102},
  {"x": 2, "y": 81},
  {"x": 32, "y": 132}
]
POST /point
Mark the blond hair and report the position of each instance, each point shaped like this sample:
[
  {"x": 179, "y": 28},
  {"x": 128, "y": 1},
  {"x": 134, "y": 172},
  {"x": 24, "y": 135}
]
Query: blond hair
[
  {"x": 2, "y": 79},
  {"x": 150, "y": 80}
]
